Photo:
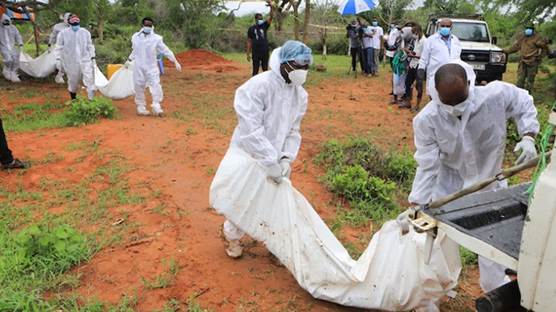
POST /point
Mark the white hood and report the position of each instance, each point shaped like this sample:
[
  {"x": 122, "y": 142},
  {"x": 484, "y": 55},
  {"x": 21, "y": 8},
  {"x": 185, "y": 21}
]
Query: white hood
[
  {"x": 274, "y": 61},
  {"x": 470, "y": 78}
]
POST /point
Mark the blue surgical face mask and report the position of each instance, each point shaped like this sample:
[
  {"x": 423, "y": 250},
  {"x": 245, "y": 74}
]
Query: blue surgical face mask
[
  {"x": 375, "y": 23},
  {"x": 147, "y": 30},
  {"x": 75, "y": 27},
  {"x": 444, "y": 31},
  {"x": 528, "y": 32},
  {"x": 260, "y": 22}
]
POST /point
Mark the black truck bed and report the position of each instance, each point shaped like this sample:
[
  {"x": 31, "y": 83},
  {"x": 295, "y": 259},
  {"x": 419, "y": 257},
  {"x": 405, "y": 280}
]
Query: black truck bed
[{"x": 494, "y": 217}]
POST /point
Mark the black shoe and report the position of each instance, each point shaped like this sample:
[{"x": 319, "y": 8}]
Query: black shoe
[{"x": 15, "y": 164}]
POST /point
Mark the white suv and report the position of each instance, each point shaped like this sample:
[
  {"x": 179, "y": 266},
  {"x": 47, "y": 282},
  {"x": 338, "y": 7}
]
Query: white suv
[{"x": 478, "y": 47}]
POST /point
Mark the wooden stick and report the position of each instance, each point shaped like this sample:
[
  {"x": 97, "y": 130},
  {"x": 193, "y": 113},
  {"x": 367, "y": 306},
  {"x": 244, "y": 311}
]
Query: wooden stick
[{"x": 504, "y": 174}]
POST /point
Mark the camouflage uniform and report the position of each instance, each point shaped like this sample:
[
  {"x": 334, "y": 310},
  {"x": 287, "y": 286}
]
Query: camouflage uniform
[{"x": 531, "y": 50}]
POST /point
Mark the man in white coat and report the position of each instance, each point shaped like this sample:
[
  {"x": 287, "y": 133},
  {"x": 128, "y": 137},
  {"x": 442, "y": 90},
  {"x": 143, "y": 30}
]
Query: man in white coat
[
  {"x": 270, "y": 107},
  {"x": 438, "y": 50},
  {"x": 460, "y": 139},
  {"x": 63, "y": 25},
  {"x": 146, "y": 46},
  {"x": 10, "y": 48},
  {"x": 75, "y": 52}
]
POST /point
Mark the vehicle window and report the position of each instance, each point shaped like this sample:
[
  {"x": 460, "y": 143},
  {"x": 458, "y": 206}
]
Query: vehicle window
[{"x": 471, "y": 32}]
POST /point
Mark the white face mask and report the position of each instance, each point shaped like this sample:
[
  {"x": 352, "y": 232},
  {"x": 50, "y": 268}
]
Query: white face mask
[
  {"x": 459, "y": 109},
  {"x": 298, "y": 77}
]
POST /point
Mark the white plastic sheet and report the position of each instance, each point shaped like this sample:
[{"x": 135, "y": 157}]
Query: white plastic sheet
[
  {"x": 118, "y": 87},
  {"x": 120, "y": 84},
  {"x": 390, "y": 275},
  {"x": 40, "y": 67}
]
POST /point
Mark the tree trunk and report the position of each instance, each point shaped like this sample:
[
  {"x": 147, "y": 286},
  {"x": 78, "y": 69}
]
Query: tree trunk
[
  {"x": 296, "y": 19},
  {"x": 306, "y": 21}
]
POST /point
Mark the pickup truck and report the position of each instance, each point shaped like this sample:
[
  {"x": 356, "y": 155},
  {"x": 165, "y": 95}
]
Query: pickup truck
[{"x": 478, "y": 47}]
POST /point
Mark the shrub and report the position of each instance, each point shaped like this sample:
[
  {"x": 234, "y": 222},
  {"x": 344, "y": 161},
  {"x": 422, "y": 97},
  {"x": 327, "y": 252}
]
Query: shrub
[
  {"x": 370, "y": 179},
  {"x": 83, "y": 111}
]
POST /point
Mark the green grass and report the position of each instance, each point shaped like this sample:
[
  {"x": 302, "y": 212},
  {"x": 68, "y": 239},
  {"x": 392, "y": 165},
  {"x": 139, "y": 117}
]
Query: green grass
[
  {"x": 38, "y": 247},
  {"x": 31, "y": 117}
]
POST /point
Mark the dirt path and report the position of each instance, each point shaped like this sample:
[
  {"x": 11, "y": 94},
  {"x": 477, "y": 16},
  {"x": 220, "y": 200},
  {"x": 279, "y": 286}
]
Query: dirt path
[{"x": 177, "y": 157}]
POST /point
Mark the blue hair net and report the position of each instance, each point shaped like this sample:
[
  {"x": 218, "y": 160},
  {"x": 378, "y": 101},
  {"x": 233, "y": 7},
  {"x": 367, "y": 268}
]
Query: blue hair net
[{"x": 296, "y": 51}]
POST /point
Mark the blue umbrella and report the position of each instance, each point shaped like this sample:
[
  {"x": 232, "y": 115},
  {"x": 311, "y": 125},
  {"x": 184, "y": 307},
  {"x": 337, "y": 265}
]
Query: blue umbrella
[{"x": 352, "y": 7}]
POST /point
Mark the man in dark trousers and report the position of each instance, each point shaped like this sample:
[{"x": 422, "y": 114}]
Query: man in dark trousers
[
  {"x": 7, "y": 161},
  {"x": 257, "y": 42}
]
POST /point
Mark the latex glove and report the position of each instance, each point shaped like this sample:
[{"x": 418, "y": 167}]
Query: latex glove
[
  {"x": 274, "y": 173},
  {"x": 58, "y": 64},
  {"x": 285, "y": 164},
  {"x": 527, "y": 148},
  {"x": 178, "y": 66},
  {"x": 127, "y": 64},
  {"x": 420, "y": 74}
]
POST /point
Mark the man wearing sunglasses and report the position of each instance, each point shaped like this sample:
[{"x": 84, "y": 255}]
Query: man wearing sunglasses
[{"x": 270, "y": 107}]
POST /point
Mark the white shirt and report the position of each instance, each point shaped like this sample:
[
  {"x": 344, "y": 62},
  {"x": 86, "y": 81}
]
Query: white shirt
[
  {"x": 377, "y": 35},
  {"x": 436, "y": 53},
  {"x": 367, "y": 37},
  {"x": 418, "y": 49},
  {"x": 392, "y": 37}
]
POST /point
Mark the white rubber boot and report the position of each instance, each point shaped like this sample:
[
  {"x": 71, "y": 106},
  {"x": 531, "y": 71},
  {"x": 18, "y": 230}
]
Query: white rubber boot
[
  {"x": 234, "y": 249},
  {"x": 142, "y": 111},
  {"x": 59, "y": 78},
  {"x": 157, "y": 110}
]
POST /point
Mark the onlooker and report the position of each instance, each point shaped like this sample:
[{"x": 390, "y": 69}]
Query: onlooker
[
  {"x": 354, "y": 36},
  {"x": 257, "y": 42},
  {"x": 399, "y": 69},
  {"x": 438, "y": 50},
  {"x": 531, "y": 49},
  {"x": 413, "y": 50},
  {"x": 390, "y": 47},
  {"x": 7, "y": 161},
  {"x": 368, "y": 50},
  {"x": 377, "y": 43}
]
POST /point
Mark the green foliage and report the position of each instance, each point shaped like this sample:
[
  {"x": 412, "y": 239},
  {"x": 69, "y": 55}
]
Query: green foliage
[
  {"x": 370, "y": 179},
  {"x": 467, "y": 257},
  {"x": 83, "y": 111},
  {"x": 38, "y": 252}
]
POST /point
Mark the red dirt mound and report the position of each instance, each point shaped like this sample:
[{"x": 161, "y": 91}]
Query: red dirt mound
[{"x": 203, "y": 60}]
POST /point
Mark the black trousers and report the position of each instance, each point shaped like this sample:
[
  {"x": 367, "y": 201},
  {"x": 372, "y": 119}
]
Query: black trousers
[
  {"x": 260, "y": 59},
  {"x": 6, "y": 156},
  {"x": 356, "y": 53},
  {"x": 409, "y": 80}
]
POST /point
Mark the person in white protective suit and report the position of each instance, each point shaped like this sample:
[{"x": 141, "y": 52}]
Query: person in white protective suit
[
  {"x": 269, "y": 108},
  {"x": 57, "y": 29},
  {"x": 438, "y": 49},
  {"x": 10, "y": 48},
  {"x": 146, "y": 46},
  {"x": 75, "y": 52},
  {"x": 460, "y": 138}
]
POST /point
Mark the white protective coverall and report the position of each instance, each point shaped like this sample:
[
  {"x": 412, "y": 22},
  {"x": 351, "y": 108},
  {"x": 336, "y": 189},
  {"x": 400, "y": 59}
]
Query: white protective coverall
[
  {"x": 76, "y": 52},
  {"x": 146, "y": 47},
  {"x": 269, "y": 113},
  {"x": 437, "y": 53},
  {"x": 10, "y": 43},
  {"x": 452, "y": 154},
  {"x": 56, "y": 30}
]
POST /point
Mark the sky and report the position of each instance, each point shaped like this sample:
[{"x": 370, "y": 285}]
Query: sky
[{"x": 252, "y": 7}]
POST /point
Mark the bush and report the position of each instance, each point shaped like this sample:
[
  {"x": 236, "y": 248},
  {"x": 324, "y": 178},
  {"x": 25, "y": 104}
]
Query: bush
[
  {"x": 370, "y": 179},
  {"x": 83, "y": 111}
]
